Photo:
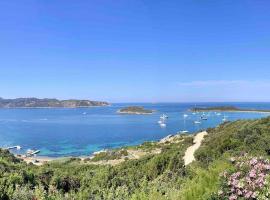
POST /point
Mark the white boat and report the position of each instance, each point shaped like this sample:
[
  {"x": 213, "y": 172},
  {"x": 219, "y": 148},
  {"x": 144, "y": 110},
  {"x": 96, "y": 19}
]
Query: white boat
[
  {"x": 163, "y": 125},
  {"x": 197, "y": 122},
  {"x": 84, "y": 113},
  {"x": 184, "y": 131},
  {"x": 163, "y": 117},
  {"x": 203, "y": 118},
  {"x": 15, "y": 147},
  {"x": 185, "y": 115},
  {"x": 31, "y": 152},
  {"x": 160, "y": 121},
  {"x": 193, "y": 113},
  {"x": 218, "y": 114}
]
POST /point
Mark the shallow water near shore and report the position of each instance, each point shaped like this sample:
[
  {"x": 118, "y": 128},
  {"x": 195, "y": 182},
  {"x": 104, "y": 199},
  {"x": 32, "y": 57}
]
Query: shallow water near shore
[{"x": 82, "y": 131}]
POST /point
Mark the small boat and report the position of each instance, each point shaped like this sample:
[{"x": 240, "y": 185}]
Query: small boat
[
  {"x": 185, "y": 115},
  {"x": 197, "y": 122},
  {"x": 15, "y": 147},
  {"x": 218, "y": 114},
  {"x": 193, "y": 113},
  {"x": 203, "y": 118},
  {"x": 84, "y": 113},
  {"x": 31, "y": 152},
  {"x": 162, "y": 122},
  {"x": 162, "y": 125},
  {"x": 163, "y": 117},
  {"x": 184, "y": 131}
]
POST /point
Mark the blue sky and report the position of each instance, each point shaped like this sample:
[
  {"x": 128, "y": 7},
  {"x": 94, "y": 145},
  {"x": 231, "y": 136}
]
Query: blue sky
[{"x": 131, "y": 51}]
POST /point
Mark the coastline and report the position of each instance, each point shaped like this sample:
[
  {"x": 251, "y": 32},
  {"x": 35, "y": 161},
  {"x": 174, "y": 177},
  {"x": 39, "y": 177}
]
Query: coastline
[
  {"x": 244, "y": 111},
  {"x": 134, "y": 113},
  {"x": 133, "y": 151},
  {"x": 54, "y": 107}
]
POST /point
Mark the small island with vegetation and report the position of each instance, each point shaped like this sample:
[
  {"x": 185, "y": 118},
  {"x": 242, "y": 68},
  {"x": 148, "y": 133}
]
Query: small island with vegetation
[
  {"x": 48, "y": 103},
  {"x": 137, "y": 110},
  {"x": 226, "y": 109}
]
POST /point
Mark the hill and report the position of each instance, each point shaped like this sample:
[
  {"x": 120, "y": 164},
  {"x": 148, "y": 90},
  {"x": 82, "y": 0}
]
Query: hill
[{"x": 48, "y": 103}]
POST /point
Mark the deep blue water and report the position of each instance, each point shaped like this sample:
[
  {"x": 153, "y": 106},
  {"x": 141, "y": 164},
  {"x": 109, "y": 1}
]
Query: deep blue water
[{"x": 65, "y": 132}]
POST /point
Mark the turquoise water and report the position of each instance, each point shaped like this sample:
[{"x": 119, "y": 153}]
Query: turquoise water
[{"x": 65, "y": 132}]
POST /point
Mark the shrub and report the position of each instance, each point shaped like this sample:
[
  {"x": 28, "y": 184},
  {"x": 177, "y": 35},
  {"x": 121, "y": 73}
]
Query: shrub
[{"x": 249, "y": 180}]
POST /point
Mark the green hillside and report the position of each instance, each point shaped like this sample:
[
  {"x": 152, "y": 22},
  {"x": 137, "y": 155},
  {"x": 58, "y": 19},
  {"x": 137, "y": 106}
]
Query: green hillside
[{"x": 230, "y": 156}]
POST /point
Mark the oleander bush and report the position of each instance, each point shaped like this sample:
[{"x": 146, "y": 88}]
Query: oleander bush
[{"x": 249, "y": 179}]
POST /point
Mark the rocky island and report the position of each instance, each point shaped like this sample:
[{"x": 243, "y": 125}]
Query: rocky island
[
  {"x": 137, "y": 110},
  {"x": 226, "y": 109},
  {"x": 48, "y": 103}
]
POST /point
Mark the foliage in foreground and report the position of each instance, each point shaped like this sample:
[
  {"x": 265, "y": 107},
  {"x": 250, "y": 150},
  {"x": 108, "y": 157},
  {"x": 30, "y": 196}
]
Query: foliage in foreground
[
  {"x": 161, "y": 176},
  {"x": 70, "y": 179},
  {"x": 249, "y": 179}
]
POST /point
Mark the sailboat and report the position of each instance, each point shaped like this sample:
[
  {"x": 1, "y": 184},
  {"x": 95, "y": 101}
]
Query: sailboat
[
  {"x": 199, "y": 120},
  {"x": 163, "y": 117},
  {"x": 203, "y": 117},
  {"x": 184, "y": 118},
  {"x": 162, "y": 120},
  {"x": 162, "y": 123}
]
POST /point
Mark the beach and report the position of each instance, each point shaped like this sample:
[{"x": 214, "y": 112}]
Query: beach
[{"x": 132, "y": 153}]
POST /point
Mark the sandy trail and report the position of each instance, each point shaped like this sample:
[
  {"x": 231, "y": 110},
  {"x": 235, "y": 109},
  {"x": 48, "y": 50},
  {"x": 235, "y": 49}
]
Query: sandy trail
[{"x": 189, "y": 154}]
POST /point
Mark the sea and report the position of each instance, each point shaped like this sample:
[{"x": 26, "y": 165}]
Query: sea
[{"x": 81, "y": 131}]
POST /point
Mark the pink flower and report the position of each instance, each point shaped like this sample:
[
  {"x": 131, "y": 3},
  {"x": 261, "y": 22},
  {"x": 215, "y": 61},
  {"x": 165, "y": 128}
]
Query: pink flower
[
  {"x": 233, "y": 197},
  {"x": 248, "y": 194},
  {"x": 252, "y": 173},
  {"x": 253, "y": 161}
]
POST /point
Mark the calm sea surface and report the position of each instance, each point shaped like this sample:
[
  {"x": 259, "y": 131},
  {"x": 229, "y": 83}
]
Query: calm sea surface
[{"x": 65, "y": 132}]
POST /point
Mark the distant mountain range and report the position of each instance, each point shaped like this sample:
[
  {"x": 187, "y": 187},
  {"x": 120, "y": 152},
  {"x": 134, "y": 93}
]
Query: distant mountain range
[{"x": 50, "y": 103}]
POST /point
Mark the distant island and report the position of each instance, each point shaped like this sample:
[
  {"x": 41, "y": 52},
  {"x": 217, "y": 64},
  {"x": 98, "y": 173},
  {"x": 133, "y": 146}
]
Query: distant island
[
  {"x": 138, "y": 110},
  {"x": 226, "y": 109},
  {"x": 48, "y": 103}
]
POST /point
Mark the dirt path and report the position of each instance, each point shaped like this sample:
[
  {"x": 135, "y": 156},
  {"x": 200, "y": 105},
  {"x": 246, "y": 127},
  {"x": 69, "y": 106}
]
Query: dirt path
[{"x": 189, "y": 154}]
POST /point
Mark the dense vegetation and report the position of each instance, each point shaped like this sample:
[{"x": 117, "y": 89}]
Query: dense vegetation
[
  {"x": 35, "y": 102},
  {"x": 160, "y": 176},
  {"x": 225, "y": 108},
  {"x": 242, "y": 136},
  {"x": 135, "y": 110}
]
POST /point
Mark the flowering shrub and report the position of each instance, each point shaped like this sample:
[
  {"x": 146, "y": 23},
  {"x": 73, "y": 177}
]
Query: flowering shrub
[{"x": 249, "y": 180}]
